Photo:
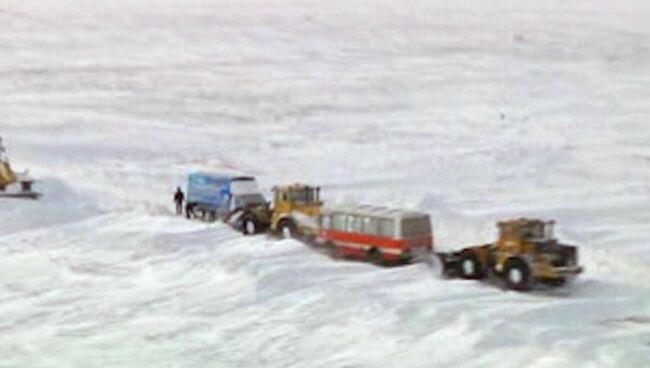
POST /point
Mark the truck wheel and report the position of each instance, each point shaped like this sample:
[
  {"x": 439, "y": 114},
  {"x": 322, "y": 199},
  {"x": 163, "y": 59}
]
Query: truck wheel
[
  {"x": 374, "y": 256},
  {"x": 249, "y": 225},
  {"x": 287, "y": 229},
  {"x": 518, "y": 275},
  {"x": 470, "y": 267}
]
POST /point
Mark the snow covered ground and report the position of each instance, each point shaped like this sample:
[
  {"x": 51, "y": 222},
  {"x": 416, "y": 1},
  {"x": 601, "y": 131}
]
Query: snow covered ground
[{"x": 472, "y": 111}]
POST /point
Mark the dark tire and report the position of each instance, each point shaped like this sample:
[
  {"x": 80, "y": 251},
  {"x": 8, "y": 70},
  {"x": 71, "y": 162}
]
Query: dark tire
[
  {"x": 249, "y": 225},
  {"x": 470, "y": 267},
  {"x": 333, "y": 251},
  {"x": 555, "y": 282},
  {"x": 518, "y": 275},
  {"x": 287, "y": 229},
  {"x": 309, "y": 239},
  {"x": 212, "y": 216},
  {"x": 375, "y": 257}
]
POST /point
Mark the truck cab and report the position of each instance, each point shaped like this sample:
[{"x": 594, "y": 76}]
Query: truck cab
[{"x": 215, "y": 196}]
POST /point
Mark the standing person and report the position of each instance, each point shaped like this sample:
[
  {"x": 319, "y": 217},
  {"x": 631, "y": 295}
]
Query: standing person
[{"x": 179, "y": 198}]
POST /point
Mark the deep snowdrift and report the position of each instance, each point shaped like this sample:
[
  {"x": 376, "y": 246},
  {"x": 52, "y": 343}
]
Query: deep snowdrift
[{"x": 471, "y": 112}]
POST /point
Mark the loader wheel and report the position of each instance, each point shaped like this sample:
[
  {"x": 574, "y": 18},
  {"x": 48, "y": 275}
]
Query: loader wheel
[
  {"x": 518, "y": 275},
  {"x": 287, "y": 229},
  {"x": 249, "y": 225},
  {"x": 470, "y": 267}
]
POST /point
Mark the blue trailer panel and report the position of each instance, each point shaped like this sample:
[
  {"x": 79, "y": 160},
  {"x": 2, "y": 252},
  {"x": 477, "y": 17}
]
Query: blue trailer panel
[{"x": 209, "y": 189}]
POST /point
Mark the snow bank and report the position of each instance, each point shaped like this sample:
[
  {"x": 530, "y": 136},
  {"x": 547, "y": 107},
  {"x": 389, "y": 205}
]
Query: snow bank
[{"x": 473, "y": 112}]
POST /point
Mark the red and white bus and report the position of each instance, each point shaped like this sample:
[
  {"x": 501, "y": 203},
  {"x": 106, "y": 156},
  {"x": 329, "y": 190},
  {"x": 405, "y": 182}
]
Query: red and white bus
[{"x": 378, "y": 234}]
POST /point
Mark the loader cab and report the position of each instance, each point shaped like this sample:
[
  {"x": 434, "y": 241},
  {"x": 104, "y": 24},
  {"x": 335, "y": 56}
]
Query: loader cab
[
  {"x": 297, "y": 197},
  {"x": 524, "y": 235},
  {"x": 296, "y": 210},
  {"x": 526, "y": 229}
]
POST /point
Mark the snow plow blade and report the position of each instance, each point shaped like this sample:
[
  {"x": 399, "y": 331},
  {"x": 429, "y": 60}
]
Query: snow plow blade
[{"x": 21, "y": 195}]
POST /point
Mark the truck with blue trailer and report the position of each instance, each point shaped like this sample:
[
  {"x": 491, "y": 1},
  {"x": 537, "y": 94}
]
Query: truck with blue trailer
[
  {"x": 213, "y": 196},
  {"x": 237, "y": 201}
]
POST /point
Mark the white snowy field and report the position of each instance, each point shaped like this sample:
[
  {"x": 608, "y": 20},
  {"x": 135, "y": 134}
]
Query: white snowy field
[{"x": 471, "y": 111}]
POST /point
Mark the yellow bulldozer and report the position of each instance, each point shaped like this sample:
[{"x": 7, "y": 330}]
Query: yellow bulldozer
[
  {"x": 525, "y": 253},
  {"x": 13, "y": 185}
]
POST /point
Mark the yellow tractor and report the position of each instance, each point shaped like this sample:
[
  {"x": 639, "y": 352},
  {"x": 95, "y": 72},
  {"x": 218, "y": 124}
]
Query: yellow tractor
[
  {"x": 295, "y": 210},
  {"x": 526, "y": 252},
  {"x": 9, "y": 179},
  {"x": 294, "y": 213}
]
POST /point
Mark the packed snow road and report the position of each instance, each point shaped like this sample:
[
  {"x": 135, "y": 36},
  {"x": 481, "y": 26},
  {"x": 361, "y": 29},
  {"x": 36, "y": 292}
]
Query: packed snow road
[{"x": 468, "y": 112}]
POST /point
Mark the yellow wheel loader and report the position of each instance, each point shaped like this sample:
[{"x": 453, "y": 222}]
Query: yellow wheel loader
[
  {"x": 525, "y": 253},
  {"x": 13, "y": 185},
  {"x": 293, "y": 213}
]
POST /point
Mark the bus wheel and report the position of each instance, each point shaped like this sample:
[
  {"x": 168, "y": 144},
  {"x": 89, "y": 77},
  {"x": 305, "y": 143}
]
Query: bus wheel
[
  {"x": 374, "y": 255},
  {"x": 333, "y": 250}
]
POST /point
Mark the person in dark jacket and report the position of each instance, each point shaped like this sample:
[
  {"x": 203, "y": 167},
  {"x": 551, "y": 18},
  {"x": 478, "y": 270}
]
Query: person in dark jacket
[{"x": 179, "y": 198}]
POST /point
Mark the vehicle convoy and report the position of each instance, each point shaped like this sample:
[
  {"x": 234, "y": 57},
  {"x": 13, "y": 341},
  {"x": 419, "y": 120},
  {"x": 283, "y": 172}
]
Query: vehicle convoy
[
  {"x": 13, "y": 185},
  {"x": 378, "y": 234},
  {"x": 526, "y": 252}
]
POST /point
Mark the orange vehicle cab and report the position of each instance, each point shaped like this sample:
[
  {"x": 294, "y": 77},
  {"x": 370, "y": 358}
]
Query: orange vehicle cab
[{"x": 378, "y": 234}]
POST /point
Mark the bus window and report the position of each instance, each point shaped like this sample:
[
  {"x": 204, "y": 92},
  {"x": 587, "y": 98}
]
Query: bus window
[
  {"x": 416, "y": 227},
  {"x": 338, "y": 221},
  {"x": 354, "y": 224},
  {"x": 386, "y": 227},
  {"x": 326, "y": 221},
  {"x": 370, "y": 226}
]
